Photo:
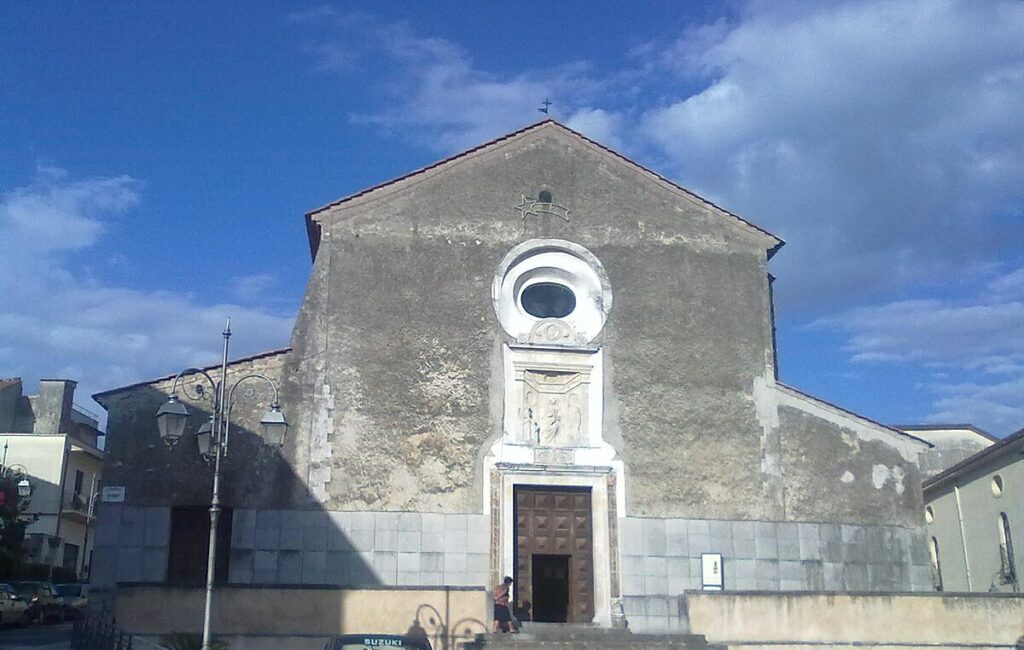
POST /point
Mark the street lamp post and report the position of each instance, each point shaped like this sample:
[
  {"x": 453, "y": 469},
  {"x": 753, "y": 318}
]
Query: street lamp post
[{"x": 212, "y": 438}]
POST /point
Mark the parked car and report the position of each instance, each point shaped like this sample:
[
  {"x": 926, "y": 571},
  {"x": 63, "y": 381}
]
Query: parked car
[
  {"x": 75, "y": 595},
  {"x": 43, "y": 601},
  {"x": 12, "y": 608},
  {"x": 364, "y": 641}
]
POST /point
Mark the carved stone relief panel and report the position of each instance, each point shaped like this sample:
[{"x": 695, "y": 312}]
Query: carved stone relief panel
[{"x": 554, "y": 404}]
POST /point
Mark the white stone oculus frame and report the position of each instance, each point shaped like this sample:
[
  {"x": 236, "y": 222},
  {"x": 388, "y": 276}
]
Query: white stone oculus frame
[{"x": 553, "y": 402}]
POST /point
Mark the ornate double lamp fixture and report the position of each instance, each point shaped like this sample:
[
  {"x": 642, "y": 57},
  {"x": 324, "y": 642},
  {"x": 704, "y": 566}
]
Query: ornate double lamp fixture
[{"x": 212, "y": 438}]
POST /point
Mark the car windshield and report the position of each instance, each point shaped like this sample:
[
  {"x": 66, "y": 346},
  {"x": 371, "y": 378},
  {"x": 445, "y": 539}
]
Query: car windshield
[{"x": 69, "y": 591}]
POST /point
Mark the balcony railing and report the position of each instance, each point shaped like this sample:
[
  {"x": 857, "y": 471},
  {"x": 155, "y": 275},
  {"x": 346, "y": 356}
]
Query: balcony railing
[{"x": 76, "y": 503}]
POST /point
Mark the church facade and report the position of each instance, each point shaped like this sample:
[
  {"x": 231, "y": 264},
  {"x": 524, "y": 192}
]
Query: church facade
[{"x": 535, "y": 359}]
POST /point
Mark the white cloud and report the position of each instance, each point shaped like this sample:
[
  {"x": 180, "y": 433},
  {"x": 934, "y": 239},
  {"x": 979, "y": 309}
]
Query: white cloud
[
  {"x": 969, "y": 352},
  {"x": 434, "y": 91},
  {"x": 598, "y": 124},
  {"x": 54, "y": 214},
  {"x": 995, "y": 407},
  {"x": 880, "y": 139},
  {"x": 257, "y": 287},
  {"x": 57, "y": 321}
]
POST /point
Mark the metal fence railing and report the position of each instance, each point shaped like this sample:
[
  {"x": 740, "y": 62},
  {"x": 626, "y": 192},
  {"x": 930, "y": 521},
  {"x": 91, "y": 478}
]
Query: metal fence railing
[{"x": 91, "y": 633}]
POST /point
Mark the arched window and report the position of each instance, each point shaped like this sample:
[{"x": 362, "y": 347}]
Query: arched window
[
  {"x": 1007, "y": 572},
  {"x": 936, "y": 566}
]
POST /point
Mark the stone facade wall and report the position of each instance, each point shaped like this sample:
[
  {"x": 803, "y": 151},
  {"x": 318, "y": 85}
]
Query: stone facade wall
[
  {"x": 881, "y": 621},
  {"x": 131, "y": 545},
  {"x": 661, "y": 559},
  {"x": 311, "y": 547},
  {"x": 662, "y": 556},
  {"x": 152, "y": 475},
  {"x": 359, "y": 548},
  {"x": 831, "y": 468},
  {"x": 397, "y": 363},
  {"x": 304, "y": 617}
]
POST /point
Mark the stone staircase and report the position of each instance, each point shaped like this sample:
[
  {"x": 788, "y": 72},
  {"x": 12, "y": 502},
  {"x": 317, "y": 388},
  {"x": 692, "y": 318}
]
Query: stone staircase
[{"x": 562, "y": 636}]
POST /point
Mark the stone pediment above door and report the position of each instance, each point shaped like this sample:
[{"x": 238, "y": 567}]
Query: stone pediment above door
[{"x": 552, "y": 397}]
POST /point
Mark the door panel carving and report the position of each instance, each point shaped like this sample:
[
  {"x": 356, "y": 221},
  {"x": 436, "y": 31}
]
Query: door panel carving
[{"x": 556, "y": 522}]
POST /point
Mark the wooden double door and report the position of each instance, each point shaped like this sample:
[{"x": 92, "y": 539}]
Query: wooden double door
[{"x": 554, "y": 554}]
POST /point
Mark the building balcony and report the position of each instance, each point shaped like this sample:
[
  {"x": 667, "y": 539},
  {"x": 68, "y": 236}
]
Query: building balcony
[{"x": 76, "y": 508}]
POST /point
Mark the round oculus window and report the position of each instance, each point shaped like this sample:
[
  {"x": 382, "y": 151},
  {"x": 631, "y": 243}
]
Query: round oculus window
[
  {"x": 548, "y": 300},
  {"x": 551, "y": 279}
]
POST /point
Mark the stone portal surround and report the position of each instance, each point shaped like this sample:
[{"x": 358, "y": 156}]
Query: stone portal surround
[
  {"x": 661, "y": 559},
  {"x": 307, "y": 547}
]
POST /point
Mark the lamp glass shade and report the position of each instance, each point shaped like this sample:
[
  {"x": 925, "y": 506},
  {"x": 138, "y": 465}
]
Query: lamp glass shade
[
  {"x": 171, "y": 419},
  {"x": 275, "y": 428},
  {"x": 204, "y": 438},
  {"x": 24, "y": 488}
]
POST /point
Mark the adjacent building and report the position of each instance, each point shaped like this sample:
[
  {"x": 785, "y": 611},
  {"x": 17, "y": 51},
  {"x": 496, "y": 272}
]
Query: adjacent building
[
  {"x": 974, "y": 512},
  {"x": 536, "y": 359},
  {"x": 951, "y": 443},
  {"x": 55, "y": 444}
]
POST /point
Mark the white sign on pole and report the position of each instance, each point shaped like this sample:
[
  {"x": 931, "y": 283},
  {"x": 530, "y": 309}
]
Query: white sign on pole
[
  {"x": 112, "y": 494},
  {"x": 711, "y": 572}
]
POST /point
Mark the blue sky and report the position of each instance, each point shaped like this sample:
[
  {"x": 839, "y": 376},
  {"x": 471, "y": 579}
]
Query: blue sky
[{"x": 156, "y": 160}]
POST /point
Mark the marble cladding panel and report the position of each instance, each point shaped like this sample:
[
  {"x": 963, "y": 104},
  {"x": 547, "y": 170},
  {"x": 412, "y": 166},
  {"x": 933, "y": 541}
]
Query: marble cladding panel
[
  {"x": 653, "y": 614},
  {"x": 661, "y": 558},
  {"x": 359, "y": 548},
  {"x": 306, "y": 547},
  {"x": 130, "y": 544}
]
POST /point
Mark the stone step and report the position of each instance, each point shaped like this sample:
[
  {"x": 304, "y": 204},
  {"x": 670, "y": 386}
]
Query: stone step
[{"x": 560, "y": 636}]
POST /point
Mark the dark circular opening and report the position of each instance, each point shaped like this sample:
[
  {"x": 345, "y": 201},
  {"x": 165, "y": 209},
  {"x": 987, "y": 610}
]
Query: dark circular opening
[
  {"x": 548, "y": 300},
  {"x": 544, "y": 197}
]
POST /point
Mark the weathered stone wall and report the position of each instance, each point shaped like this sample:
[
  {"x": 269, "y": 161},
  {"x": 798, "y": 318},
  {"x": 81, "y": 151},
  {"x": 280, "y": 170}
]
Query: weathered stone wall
[
  {"x": 254, "y": 475},
  {"x": 312, "y": 615},
  {"x": 661, "y": 558},
  {"x": 845, "y": 620},
  {"x": 831, "y": 470},
  {"x": 311, "y": 547},
  {"x": 397, "y": 324}
]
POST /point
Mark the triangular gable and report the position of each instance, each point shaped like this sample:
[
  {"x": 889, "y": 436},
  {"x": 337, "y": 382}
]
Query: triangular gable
[{"x": 773, "y": 242}]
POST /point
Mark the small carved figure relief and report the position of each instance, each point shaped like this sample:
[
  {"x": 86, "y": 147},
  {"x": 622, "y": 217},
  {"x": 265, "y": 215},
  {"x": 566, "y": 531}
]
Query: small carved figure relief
[
  {"x": 528, "y": 417},
  {"x": 552, "y": 423},
  {"x": 551, "y": 408},
  {"x": 575, "y": 415}
]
